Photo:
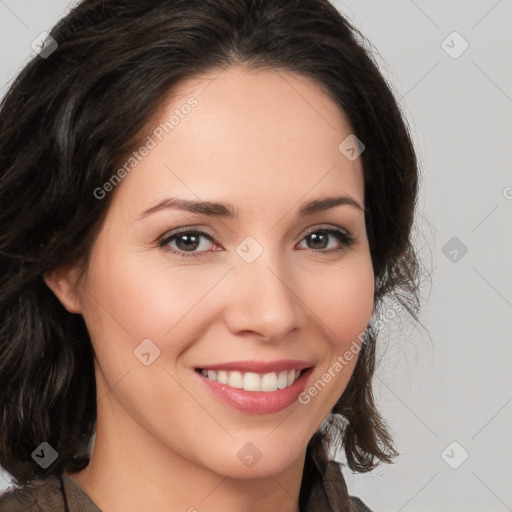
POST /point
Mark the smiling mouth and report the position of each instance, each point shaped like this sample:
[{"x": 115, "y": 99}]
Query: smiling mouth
[{"x": 250, "y": 381}]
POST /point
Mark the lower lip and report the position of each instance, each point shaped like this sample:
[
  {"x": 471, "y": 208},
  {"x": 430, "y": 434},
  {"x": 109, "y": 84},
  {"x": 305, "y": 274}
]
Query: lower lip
[{"x": 257, "y": 402}]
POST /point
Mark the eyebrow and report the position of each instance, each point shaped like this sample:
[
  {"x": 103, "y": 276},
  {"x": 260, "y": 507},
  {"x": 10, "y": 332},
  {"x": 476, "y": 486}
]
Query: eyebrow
[{"x": 228, "y": 211}]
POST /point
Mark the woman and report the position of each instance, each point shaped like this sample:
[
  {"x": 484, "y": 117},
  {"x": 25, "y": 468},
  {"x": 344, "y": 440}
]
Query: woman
[{"x": 204, "y": 205}]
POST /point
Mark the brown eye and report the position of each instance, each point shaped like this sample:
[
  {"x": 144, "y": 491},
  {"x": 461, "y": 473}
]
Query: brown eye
[
  {"x": 319, "y": 239},
  {"x": 186, "y": 242}
]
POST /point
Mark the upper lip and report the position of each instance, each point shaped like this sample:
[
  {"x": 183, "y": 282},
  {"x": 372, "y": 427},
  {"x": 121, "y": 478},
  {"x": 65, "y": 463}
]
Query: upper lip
[{"x": 259, "y": 366}]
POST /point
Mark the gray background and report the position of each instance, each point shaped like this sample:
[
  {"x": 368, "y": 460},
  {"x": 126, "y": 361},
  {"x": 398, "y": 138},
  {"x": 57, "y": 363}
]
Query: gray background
[{"x": 450, "y": 383}]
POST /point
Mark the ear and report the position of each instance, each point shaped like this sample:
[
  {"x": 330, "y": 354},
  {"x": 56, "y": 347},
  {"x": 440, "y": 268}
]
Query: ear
[{"x": 63, "y": 282}]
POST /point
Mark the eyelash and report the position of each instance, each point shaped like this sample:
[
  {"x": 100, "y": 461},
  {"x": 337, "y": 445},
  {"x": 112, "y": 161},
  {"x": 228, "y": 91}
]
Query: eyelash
[{"x": 341, "y": 235}]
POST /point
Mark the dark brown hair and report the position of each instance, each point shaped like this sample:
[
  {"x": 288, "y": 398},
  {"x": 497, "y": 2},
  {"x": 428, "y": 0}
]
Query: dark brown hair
[{"x": 69, "y": 119}]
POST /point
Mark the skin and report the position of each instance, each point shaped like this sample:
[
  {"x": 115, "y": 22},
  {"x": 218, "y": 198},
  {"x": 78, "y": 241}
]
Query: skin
[{"x": 266, "y": 142}]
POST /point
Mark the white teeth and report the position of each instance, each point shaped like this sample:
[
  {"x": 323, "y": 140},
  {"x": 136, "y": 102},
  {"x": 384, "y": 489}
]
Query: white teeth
[
  {"x": 282, "y": 380},
  {"x": 235, "y": 380},
  {"x": 269, "y": 382},
  {"x": 254, "y": 381},
  {"x": 222, "y": 377}
]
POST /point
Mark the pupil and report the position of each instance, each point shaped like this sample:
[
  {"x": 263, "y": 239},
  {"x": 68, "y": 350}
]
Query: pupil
[
  {"x": 315, "y": 237},
  {"x": 190, "y": 242}
]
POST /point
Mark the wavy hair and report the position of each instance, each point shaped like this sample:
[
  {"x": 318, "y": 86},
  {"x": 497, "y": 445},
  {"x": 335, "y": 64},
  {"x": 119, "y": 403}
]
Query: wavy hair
[{"x": 66, "y": 123}]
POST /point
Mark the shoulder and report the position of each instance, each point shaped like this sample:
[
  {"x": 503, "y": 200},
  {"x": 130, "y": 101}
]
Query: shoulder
[
  {"x": 35, "y": 496},
  {"x": 359, "y": 506},
  {"x": 336, "y": 489}
]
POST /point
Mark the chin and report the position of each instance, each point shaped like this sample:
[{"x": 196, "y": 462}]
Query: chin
[{"x": 257, "y": 459}]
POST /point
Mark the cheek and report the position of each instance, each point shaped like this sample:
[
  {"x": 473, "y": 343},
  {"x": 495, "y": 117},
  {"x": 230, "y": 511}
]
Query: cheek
[
  {"x": 133, "y": 299},
  {"x": 345, "y": 310},
  {"x": 152, "y": 300},
  {"x": 343, "y": 299},
  {"x": 130, "y": 300}
]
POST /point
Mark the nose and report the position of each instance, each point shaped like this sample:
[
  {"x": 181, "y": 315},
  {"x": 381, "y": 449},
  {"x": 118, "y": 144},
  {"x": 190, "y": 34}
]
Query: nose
[{"x": 263, "y": 299}]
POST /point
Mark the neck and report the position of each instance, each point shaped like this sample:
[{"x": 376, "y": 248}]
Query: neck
[{"x": 130, "y": 470}]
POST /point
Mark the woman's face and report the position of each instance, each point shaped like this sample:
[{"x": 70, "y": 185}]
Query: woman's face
[{"x": 264, "y": 285}]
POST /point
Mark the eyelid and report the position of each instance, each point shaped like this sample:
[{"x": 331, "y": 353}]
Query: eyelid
[
  {"x": 187, "y": 229},
  {"x": 326, "y": 228}
]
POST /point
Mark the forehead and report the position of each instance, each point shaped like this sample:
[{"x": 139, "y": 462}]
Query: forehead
[{"x": 244, "y": 133}]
